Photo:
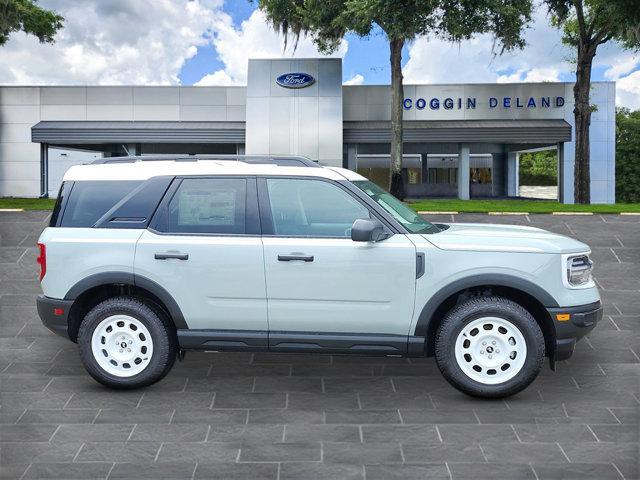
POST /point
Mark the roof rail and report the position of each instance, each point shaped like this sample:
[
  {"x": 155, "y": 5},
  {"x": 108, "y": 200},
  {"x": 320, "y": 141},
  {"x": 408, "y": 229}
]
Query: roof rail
[{"x": 280, "y": 160}]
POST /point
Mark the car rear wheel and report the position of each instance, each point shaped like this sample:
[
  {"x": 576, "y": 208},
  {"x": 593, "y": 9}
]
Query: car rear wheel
[
  {"x": 489, "y": 347},
  {"x": 124, "y": 343}
]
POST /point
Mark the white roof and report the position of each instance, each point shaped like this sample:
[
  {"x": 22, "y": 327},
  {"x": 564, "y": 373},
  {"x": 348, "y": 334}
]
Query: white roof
[{"x": 143, "y": 170}]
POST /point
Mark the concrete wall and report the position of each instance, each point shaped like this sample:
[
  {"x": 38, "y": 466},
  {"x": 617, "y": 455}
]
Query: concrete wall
[
  {"x": 303, "y": 121},
  {"x": 23, "y": 107},
  {"x": 602, "y": 136},
  {"x": 306, "y": 121},
  {"x": 374, "y": 103},
  {"x": 19, "y": 158}
]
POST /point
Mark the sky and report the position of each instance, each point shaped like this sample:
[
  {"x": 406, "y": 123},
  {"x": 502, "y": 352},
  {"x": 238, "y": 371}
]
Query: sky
[{"x": 208, "y": 42}]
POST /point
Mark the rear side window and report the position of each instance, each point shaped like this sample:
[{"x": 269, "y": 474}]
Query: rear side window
[
  {"x": 90, "y": 200},
  {"x": 65, "y": 188},
  {"x": 207, "y": 205}
]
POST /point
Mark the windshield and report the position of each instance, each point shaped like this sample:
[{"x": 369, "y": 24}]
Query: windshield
[{"x": 403, "y": 214}]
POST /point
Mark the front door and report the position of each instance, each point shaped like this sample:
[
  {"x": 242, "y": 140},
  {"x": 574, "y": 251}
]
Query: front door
[
  {"x": 319, "y": 281},
  {"x": 204, "y": 248}
]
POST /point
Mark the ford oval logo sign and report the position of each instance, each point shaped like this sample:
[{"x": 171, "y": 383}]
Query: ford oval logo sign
[{"x": 295, "y": 80}]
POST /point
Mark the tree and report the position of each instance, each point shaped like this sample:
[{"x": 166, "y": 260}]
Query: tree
[
  {"x": 28, "y": 17},
  {"x": 327, "y": 21},
  {"x": 587, "y": 24},
  {"x": 539, "y": 168},
  {"x": 627, "y": 156}
]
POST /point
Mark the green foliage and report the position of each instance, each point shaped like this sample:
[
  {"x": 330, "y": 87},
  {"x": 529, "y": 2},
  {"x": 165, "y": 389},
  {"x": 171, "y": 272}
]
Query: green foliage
[
  {"x": 27, "y": 203},
  {"x": 627, "y": 155},
  {"x": 528, "y": 206},
  {"x": 586, "y": 22},
  {"x": 327, "y": 21},
  {"x": 539, "y": 168},
  {"x": 28, "y": 17}
]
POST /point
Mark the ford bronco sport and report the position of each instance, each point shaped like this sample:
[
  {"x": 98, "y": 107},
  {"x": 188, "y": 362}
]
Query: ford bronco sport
[{"x": 145, "y": 259}]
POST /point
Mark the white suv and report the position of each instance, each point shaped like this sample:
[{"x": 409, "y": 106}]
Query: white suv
[{"x": 146, "y": 259}]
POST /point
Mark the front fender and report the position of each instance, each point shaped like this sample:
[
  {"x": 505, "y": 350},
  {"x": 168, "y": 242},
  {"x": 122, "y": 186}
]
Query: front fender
[{"x": 479, "y": 280}]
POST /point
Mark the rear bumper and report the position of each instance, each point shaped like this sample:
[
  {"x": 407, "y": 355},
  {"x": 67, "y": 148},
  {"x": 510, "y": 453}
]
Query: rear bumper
[
  {"x": 582, "y": 319},
  {"x": 49, "y": 312}
]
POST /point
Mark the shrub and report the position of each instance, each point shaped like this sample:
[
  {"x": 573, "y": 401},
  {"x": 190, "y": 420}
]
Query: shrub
[
  {"x": 539, "y": 168},
  {"x": 627, "y": 156}
]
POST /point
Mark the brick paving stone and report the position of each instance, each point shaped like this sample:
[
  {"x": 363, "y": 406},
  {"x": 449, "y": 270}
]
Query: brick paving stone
[
  {"x": 240, "y": 471},
  {"x": 282, "y": 416}
]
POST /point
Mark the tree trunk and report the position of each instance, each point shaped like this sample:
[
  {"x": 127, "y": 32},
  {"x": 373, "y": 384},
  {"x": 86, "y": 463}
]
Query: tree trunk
[
  {"x": 582, "y": 115},
  {"x": 396, "y": 186}
]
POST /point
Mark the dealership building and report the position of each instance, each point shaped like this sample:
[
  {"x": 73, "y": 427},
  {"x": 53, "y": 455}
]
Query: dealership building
[{"x": 460, "y": 140}]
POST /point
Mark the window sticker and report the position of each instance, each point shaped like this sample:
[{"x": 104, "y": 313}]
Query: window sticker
[{"x": 207, "y": 207}]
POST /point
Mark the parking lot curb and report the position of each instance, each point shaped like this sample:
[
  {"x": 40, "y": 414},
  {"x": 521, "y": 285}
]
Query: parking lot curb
[
  {"x": 11, "y": 209},
  {"x": 430, "y": 212},
  {"x": 572, "y": 213}
]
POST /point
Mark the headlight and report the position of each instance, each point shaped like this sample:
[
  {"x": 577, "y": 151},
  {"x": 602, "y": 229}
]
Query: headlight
[{"x": 579, "y": 269}]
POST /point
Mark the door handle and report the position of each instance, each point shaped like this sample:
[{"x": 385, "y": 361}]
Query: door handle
[
  {"x": 177, "y": 256},
  {"x": 292, "y": 258}
]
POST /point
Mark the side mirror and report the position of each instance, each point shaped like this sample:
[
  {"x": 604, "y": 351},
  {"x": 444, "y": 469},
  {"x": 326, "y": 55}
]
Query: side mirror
[{"x": 365, "y": 230}]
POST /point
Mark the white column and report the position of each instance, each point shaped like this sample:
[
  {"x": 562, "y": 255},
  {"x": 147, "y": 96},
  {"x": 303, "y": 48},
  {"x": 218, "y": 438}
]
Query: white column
[
  {"x": 463, "y": 171},
  {"x": 565, "y": 173},
  {"x": 352, "y": 152},
  {"x": 513, "y": 166}
]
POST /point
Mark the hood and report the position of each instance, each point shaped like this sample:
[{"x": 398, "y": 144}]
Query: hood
[{"x": 503, "y": 238}]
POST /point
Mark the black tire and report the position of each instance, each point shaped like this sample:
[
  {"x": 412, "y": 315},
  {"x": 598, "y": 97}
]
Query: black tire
[
  {"x": 461, "y": 315},
  {"x": 163, "y": 337}
]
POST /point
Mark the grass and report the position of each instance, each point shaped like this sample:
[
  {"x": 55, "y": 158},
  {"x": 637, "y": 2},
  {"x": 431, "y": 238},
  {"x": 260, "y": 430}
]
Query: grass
[
  {"x": 530, "y": 206},
  {"x": 435, "y": 205},
  {"x": 27, "y": 203}
]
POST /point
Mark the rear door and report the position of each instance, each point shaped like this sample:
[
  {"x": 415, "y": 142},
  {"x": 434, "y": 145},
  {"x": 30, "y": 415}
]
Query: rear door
[{"x": 203, "y": 246}]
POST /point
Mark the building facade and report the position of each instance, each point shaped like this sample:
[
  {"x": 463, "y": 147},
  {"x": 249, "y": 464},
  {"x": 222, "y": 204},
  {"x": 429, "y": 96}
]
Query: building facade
[{"x": 459, "y": 140}]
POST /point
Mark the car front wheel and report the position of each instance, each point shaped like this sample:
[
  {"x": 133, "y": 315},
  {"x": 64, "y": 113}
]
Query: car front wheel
[
  {"x": 125, "y": 344},
  {"x": 489, "y": 347}
]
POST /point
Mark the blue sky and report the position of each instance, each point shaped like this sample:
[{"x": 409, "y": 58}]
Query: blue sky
[
  {"x": 368, "y": 56},
  {"x": 208, "y": 42}
]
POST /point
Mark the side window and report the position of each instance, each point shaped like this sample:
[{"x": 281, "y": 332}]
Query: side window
[
  {"x": 312, "y": 208},
  {"x": 206, "y": 205},
  {"x": 90, "y": 200}
]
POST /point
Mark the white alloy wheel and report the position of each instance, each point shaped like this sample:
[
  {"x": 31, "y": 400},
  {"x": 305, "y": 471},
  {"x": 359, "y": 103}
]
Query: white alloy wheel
[
  {"x": 122, "y": 345},
  {"x": 490, "y": 350}
]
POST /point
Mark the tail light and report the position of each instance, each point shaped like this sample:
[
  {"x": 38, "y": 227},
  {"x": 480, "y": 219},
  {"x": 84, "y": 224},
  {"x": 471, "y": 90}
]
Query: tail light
[{"x": 42, "y": 259}]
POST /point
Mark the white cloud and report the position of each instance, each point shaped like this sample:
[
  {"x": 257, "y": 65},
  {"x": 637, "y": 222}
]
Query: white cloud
[
  {"x": 545, "y": 58},
  {"x": 436, "y": 61},
  {"x": 253, "y": 39},
  {"x": 531, "y": 75},
  {"x": 219, "y": 77},
  {"x": 357, "y": 79},
  {"x": 114, "y": 42},
  {"x": 621, "y": 65},
  {"x": 628, "y": 91}
]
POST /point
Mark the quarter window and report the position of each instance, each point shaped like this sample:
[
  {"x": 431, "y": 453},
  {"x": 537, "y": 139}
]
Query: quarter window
[
  {"x": 90, "y": 200},
  {"x": 312, "y": 208},
  {"x": 207, "y": 205}
]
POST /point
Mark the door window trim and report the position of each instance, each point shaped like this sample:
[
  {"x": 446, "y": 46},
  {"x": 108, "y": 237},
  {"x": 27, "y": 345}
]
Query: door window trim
[
  {"x": 266, "y": 218},
  {"x": 252, "y": 216}
]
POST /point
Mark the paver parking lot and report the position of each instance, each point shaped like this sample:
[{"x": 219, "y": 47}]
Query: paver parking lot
[{"x": 239, "y": 415}]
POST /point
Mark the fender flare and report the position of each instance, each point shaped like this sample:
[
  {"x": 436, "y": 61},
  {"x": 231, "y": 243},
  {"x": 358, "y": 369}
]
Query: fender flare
[
  {"x": 500, "y": 280},
  {"x": 128, "y": 278}
]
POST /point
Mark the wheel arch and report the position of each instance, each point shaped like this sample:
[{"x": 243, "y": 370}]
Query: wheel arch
[
  {"x": 98, "y": 287},
  {"x": 531, "y": 296}
]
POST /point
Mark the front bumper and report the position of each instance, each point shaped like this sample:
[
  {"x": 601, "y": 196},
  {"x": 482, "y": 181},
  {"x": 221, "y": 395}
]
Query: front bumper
[
  {"x": 54, "y": 314},
  {"x": 581, "y": 320}
]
